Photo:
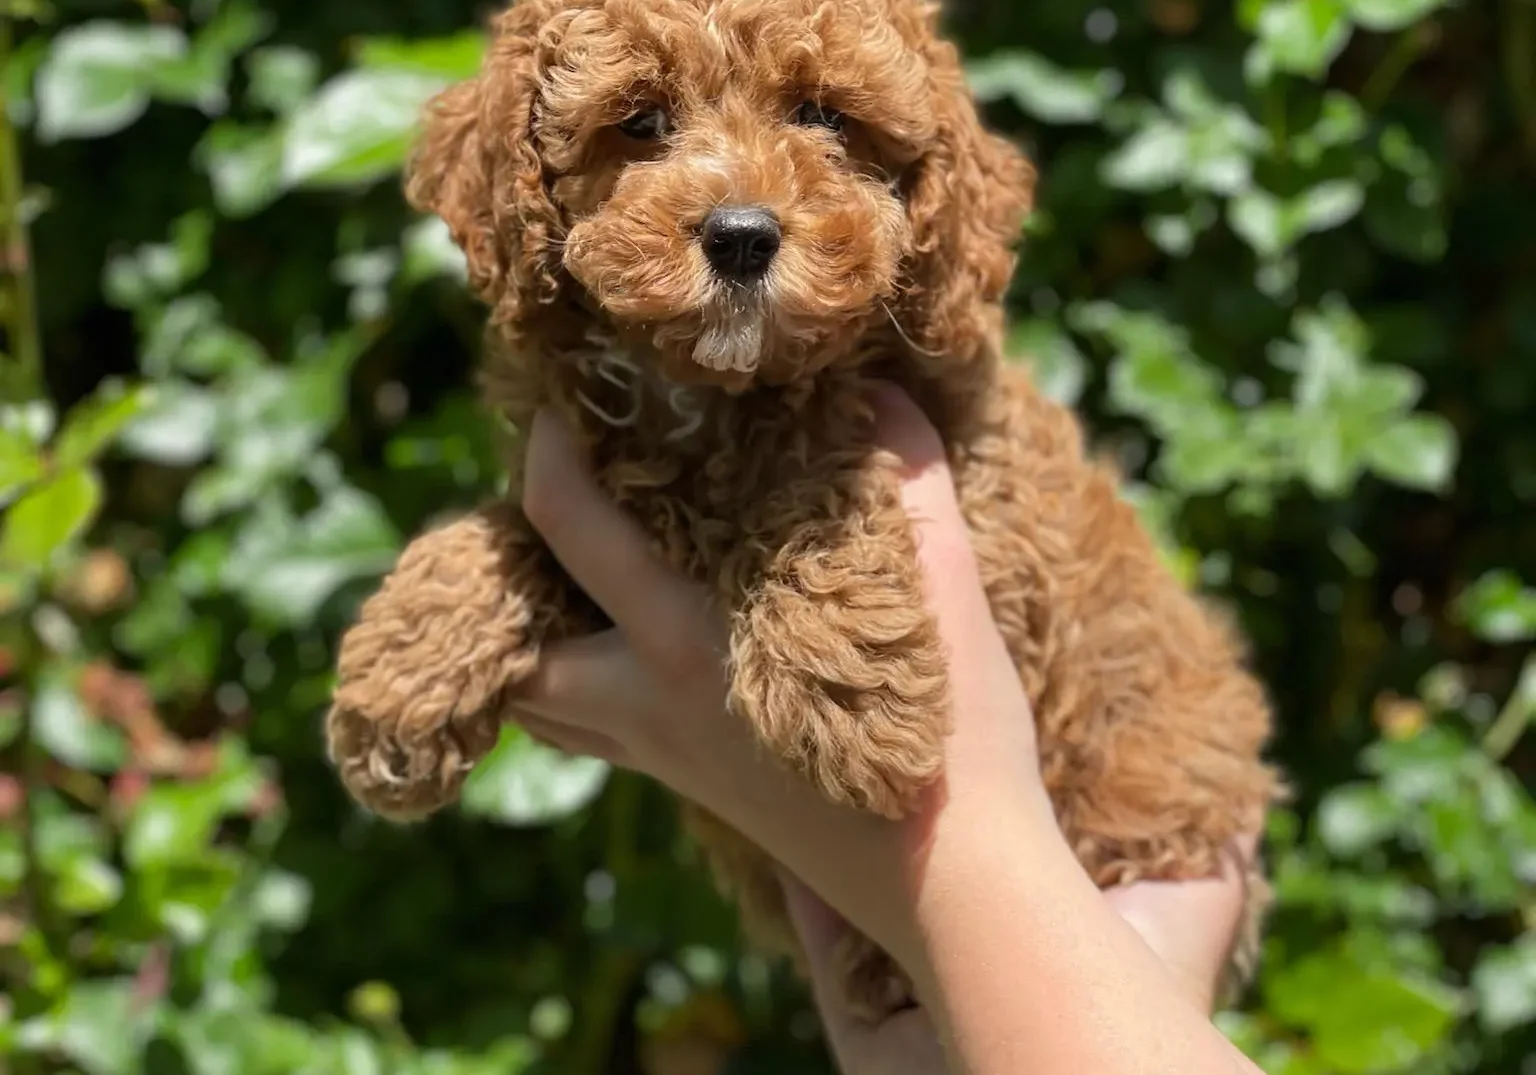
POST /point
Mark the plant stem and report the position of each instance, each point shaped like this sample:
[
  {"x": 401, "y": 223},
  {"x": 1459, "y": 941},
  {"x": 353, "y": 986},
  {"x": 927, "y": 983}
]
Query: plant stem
[
  {"x": 1408, "y": 47},
  {"x": 26, "y": 380},
  {"x": 1519, "y": 40},
  {"x": 616, "y": 965},
  {"x": 1517, "y": 715}
]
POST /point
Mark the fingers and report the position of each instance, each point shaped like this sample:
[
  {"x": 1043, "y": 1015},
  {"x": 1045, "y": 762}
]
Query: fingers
[
  {"x": 955, "y": 592},
  {"x": 602, "y": 548}
]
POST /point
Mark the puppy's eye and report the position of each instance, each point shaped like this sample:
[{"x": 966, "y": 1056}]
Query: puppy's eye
[
  {"x": 812, "y": 114},
  {"x": 646, "y": 124}
]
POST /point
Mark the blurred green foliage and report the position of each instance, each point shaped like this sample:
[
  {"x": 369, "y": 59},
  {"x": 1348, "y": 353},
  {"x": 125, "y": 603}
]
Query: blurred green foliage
[{"x": 1284, "y": 259}]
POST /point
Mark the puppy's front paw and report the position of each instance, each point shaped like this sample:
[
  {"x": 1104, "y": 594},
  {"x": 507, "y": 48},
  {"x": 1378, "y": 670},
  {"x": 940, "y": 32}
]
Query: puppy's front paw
[
  {"x": 838, "y": 667},
  {"x": 423, "y": 675}
]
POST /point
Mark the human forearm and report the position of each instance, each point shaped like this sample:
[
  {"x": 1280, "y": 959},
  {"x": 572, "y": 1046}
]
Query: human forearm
[{"x": 1030, "y": 970}]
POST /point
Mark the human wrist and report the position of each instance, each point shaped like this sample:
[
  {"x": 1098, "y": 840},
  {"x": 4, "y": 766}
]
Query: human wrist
[{"x": 965, "y": 863}]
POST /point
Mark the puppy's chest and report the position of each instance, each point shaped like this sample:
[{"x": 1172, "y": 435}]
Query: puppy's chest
[{"x": 721, "y": 481}]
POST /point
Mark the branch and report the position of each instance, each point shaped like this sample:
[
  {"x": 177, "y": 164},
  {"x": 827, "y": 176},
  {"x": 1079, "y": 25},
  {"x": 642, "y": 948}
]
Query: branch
[{"x": 26, "y": 380}]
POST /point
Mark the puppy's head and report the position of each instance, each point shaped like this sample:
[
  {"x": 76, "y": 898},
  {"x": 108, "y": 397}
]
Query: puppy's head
[{"x": 740, "y": 189}]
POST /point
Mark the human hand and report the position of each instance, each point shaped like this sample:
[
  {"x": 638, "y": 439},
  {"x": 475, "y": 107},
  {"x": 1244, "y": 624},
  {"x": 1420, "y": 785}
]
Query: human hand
[
  {"x": 650, "y": 694},
  {"x": 1190, "y": 925}
]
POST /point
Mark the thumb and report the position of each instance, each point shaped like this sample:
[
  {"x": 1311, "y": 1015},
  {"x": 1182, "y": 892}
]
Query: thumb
[{"x": 951, "y": 576}]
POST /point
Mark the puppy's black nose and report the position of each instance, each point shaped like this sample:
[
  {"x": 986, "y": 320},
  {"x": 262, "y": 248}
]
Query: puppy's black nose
[{"x": 741, "y": 241}]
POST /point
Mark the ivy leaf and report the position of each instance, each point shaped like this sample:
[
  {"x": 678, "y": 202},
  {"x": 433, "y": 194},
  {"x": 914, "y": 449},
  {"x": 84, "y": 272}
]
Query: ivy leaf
[
  {"x": 1299, "y": 37},
  {"x": 357, "y": 129},
  {"x": 1041, "y": 89},
  {"x": 1355, "y": 818},
  {"x": 524, "y": 783},
  {"x": 455, "y": 57},
  {"x": 1154, "y": 158},
  {"x": 101, "y": 1025},
  {"x": 1417, "y": 451},
  {"x": 1059, "y": 368},
  {"x": 1499, "y": 608},
  {"x": 95, "y": 423},
  {"x": 282, "y": 76},
  {"x": 49, "y": 517},
  {"x": 1505, "y": 983},
  {"x": 178, "y": 428},
  {"x": 286, "y": 568},
  {"x": 1362, "y": 1019},
  {"x": 1386, "y": 16},
  {"x": 98, "y": 76},
  {"x": 71, "y": 734},
  {"x": 20, "y": 463}
]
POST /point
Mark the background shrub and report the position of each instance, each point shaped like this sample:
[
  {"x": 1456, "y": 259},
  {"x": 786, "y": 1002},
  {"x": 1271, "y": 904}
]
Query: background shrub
[{"x": 1284, "y": 259}]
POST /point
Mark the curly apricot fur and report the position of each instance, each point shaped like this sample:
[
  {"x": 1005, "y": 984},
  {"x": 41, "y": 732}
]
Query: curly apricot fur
[{"x": 734, "y": 423}]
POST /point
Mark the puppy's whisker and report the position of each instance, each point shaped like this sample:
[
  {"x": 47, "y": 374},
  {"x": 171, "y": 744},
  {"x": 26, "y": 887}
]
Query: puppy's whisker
[{"x": 910, "y": 342}]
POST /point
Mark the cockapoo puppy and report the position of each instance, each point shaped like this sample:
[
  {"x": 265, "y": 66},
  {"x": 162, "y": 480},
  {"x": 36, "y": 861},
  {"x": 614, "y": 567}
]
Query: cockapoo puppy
[{"x": 703, "y": 227}]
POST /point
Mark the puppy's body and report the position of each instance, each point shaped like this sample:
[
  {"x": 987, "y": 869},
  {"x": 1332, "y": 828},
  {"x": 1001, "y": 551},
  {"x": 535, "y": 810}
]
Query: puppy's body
[{"x": 704, "y": 227}]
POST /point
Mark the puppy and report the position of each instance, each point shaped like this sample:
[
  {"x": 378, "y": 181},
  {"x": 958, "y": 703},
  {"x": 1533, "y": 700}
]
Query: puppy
[{"x": 702, "y": 228}]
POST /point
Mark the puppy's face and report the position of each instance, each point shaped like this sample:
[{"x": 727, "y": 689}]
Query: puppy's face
[{"x": 741, "y": 188}]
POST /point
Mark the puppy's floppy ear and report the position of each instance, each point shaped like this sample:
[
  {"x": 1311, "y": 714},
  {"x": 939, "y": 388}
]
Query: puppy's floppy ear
[
  {"x": 477, "y": 166},
  {"x": 967, "y": 201}
]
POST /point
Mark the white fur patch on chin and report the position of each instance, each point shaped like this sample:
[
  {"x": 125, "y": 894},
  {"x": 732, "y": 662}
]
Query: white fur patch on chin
[{"x": 732, "y": 343}]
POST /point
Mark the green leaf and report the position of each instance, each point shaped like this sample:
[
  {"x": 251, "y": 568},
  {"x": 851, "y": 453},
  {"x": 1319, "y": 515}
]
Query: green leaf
[
  {"x": 285, "y": 568},
  {"x": 1299, "y": 37},
  {"x": 172, "y": 824},
  {"x": 1362, "y": 1019},
  {"x": 87, "y": 886},
  {"x": 1059, "y": 368},
  {"x": 524, "y": 783},
  {"x": 1041, "y": 89},
  {"x": 357, "y": 129},
  {"x": 20, "y": 463},
  {"x": 282, "y": 76},
  {"x": 1154, "y": 158},
  {"x": 102, "y": 1026},
  {"x": 68, "y": 732},
  {"x": 1385, "y": 16},
  {"x": 282, "y": 900},
  {"x": 1499, "y": 608},
  {"x": 452, "y": 58},
  {"x": 98, "y": 75},
  {"x": 1418, "y": 451},
  {"x": 179, "y": 426},
  {"x": 91, "y": 426},
  {"x": 1504, "y": 981},
  {"x": 1354, "y": 818},
  {"x": 49, "y": 517},
  {"x": 245, "y": 166}
]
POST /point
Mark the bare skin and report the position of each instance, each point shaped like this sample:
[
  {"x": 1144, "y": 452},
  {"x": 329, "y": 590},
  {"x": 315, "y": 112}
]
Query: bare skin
[{"x": 1021, "y": 964}]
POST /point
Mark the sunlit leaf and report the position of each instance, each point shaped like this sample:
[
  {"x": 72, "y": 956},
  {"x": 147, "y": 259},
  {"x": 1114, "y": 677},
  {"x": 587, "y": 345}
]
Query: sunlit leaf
[
  {"x": 97, "y": 78},
  {"x": 20, "y": 463},
  {"x": 286, "y": 568},
  {"x": 69, "y": 732},
  {"x": 522, "y": 782},
  {"x": 1355, "y": 817},
  {"x": 1301, "y": 37},
  {"x": 1500, "y": 608},
  {"x": 358, "y": 128},
  {"x": 1384, "y": 16},
  {"x": 1505, "y": 982},
  {"x": 452, "y": 58},
  {"x": 95, "y": 423},
  {"x": 1042, "y": 89},
  {"x": 1418, "y": 451},
  {"x": 48, "y": 517}
]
